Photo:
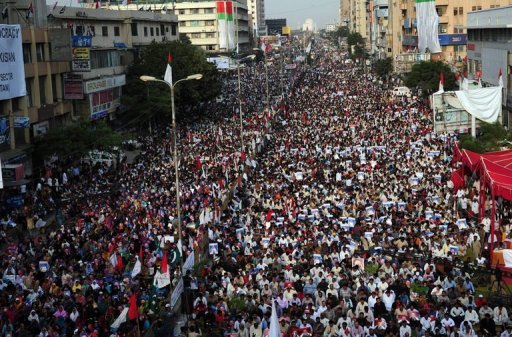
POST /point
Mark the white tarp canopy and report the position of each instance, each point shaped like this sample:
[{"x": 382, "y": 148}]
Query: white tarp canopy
[{"x": 482, "y": 103}]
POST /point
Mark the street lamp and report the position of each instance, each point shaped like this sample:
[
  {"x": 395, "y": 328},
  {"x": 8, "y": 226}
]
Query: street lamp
[{"x": 171, "y": 86}]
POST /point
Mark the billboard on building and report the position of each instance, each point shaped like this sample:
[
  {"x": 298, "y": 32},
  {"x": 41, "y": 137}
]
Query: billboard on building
[
  {"x": 73, "y": 86},
  {"x": 12, "y": 68}
]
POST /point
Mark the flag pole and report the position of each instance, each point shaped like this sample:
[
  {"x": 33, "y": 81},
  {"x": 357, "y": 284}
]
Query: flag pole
[{"x": 239, "y": 86}]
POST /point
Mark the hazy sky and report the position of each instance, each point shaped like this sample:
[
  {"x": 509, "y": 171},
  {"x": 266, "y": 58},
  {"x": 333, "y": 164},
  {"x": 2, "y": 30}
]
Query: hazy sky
[{"x": 297, "y": 11}]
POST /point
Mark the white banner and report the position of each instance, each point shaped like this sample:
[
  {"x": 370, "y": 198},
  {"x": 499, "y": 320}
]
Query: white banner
[
  {"x": 427, "y": 23},
  {"x": 12, "y": 68}
]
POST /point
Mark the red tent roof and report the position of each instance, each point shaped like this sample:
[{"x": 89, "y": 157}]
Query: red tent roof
[{"x": 498, "y": 178}]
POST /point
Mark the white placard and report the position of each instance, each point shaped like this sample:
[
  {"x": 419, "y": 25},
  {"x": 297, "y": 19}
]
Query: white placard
[{"x": 12, "y": 67}]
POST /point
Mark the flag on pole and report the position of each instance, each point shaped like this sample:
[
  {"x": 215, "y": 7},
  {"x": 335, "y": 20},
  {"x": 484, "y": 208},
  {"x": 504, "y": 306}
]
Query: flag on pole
[
  {"x": 500, "y": 78},
  {"x": 120, "y": 319},
  {"x": 137, "y": 267},
  {"x": 5, "y": 12},
  {"x": 113, "y": 260},
  {"x": 97, "y": 4},
  {"x": 427, "y": 24},
  {"x": 55, "y": 5},
  {"x": 62, "y": 10},
  {"x": 133, "y": 311},
  {"x": 175, "y": 256},
  {"x": 168, "y": 70},
  {"x": 226, "y": 24},
  {"x": 30, "y": 10},
  {"x": 441, "y": 83},
  {"x": 162, "y": 278},
  {"x": 274, "y": 329}
]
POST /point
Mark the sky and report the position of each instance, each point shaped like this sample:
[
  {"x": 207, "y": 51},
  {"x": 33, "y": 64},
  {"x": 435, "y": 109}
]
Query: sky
[{"x": 297, "y": 11}]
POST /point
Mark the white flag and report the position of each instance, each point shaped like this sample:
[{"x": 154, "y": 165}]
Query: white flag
[
  {"x": 113, "y": 260},
  {"x": 168, "y": 74},
  {"x": 161, "y": 279},
  {"x": 427, "y": 24},
  {"x": 120, "y": 319},
  {"x": 274, "y": 330},
  {"x": 136, "y": 268}
]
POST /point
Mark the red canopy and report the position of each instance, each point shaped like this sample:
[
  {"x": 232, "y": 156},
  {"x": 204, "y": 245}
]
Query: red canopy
[
  {"x": 471, "y": 160},
  {"x": 498, "y": 178}
]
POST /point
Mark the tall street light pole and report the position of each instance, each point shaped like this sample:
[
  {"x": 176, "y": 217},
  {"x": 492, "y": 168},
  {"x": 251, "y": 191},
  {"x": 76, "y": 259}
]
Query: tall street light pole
[{"x": 171, "y": 86}]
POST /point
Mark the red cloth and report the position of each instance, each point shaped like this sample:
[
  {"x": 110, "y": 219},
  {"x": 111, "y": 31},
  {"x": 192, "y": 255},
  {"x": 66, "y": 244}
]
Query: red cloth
[{"x": 133, "y": 311}]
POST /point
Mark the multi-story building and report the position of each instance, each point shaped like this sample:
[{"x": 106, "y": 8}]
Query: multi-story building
[
  {"x": 22, "y": 118},
  {"x": 198, "y": 20},
  {"x": 256, "y": 10},
  {"x": 330, "y": 27},
  {"x": 275, "y": 26},
  {"x": 103, "y": 43},
  {"x": 360, "y": 18},
  {"x": 489, "y": 51},
  {"x": 402, "y": 33},
  {"x": 379, "y": 28},
  {"x": 344, "y": 12}
]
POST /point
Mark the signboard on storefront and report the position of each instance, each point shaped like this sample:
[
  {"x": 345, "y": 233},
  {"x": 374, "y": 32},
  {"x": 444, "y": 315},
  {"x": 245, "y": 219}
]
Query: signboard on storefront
[
  {"x": 81, "y": 53},
  {"x": 105, "y": 83},
  {"x": 73, "y": 86}
]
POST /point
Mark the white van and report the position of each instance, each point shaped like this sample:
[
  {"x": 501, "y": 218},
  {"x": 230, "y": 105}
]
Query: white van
[{"x": 401, "y": 92}]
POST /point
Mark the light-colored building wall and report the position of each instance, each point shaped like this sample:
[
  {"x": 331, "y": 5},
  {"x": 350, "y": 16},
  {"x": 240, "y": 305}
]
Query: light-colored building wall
[
  {"x": 115, "y": 35},
  {"x": 198, "y": 20},
  {"x": 452, "y": 26},
  {"x": 256, "y": 12},
  {"x": 359, "y": 18},
  {"x": 44, "y": 103},
  {"x": 344, "y": 12}
]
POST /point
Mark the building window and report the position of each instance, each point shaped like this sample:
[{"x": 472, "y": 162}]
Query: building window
[
  {"x": 194, "y": 11},
  {"x": 27, "y": 53},
  {"x": 116, "y": 31},
  {"x": 194, "y": 23},
  {"x": 145, "y": 31},
  {"x": 174, "y": 29},
  {"x": 209, "y": 23},
  {"x": 157, "y": 31},
  {"x": 134, "y": 29},
  {"x": 196, "y": 35},
  {"x": 40, "y": 52},
  {"x": 183, "y": 23},
  {"x": 210, "y": 35},
  {"x": 42, "y": 89},
  {"x": 28, "y": 84},
  {"x": 455, "y": 11},
  {"x": 104, "y": 31},
  {"x": 182, "y": 11},
  {"x": 105, "y": 59},
  {"x": 162, "y": 30},
  {"x": 210, "y": 47},
  {"x": 151, "y": 31},
  {"x": 461, "y": 10},
  {"x": 208, "y": 11},
  {"x": 54, "y": 88}
]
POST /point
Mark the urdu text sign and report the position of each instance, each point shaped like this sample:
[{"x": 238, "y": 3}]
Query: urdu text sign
[{"x": 12, "y": 69}]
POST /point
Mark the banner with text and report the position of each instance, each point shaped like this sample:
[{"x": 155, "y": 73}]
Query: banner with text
[{"x": 12, "y": 68}]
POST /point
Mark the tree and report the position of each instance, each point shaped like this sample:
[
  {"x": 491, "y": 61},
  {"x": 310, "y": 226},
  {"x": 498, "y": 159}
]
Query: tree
[
  {"x": 339, "y": 33},
  {"x": 76, "y": 139},
  {"x": 425, "y": 75},
  {"x": 142, "y": 101},
  {"x": 355, "y": 45},
  {"x": 492, "y": 138},
  {"x": 384, "y": 67}
]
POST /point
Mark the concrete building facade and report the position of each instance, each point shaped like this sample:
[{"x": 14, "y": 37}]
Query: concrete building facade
[
  {"x": 489, "y": 50},
  {"x": 102, "y": 47},
  {"x": 256, "y": 12},
  {"x": 402, "y": 37},
  {"x": 44, "y": 104},
  {"x": 198, "y": 20}
]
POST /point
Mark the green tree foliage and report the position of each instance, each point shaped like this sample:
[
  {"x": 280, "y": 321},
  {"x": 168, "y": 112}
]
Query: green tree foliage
[
  {"x": 384, "y": 67},
  {"x": 76, "y": 139},
  {"x": 425, "y": 75},
  {"x": 142, "y": 101},
  {"x": 341, "y": 32},
  {"x": 355, "y": 45},
  {"x": 492, "y": 138}
]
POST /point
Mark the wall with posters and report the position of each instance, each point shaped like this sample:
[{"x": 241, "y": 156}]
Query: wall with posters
[{"x": 12, "y": 68}]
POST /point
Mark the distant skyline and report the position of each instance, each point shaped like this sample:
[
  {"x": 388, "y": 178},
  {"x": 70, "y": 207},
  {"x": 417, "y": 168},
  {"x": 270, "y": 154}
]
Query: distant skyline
[{"x": 296, "y": 12}]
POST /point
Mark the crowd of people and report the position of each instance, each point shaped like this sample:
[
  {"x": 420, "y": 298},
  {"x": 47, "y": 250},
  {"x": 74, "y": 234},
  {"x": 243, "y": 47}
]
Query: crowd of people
[
  {"x": 350, "y": 224},
  {"x": 339, "y": 209}
]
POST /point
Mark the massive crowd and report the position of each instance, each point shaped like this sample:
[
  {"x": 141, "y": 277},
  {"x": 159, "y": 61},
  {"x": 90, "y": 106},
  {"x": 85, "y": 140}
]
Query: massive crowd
[{"x": 339, "y": 209}]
